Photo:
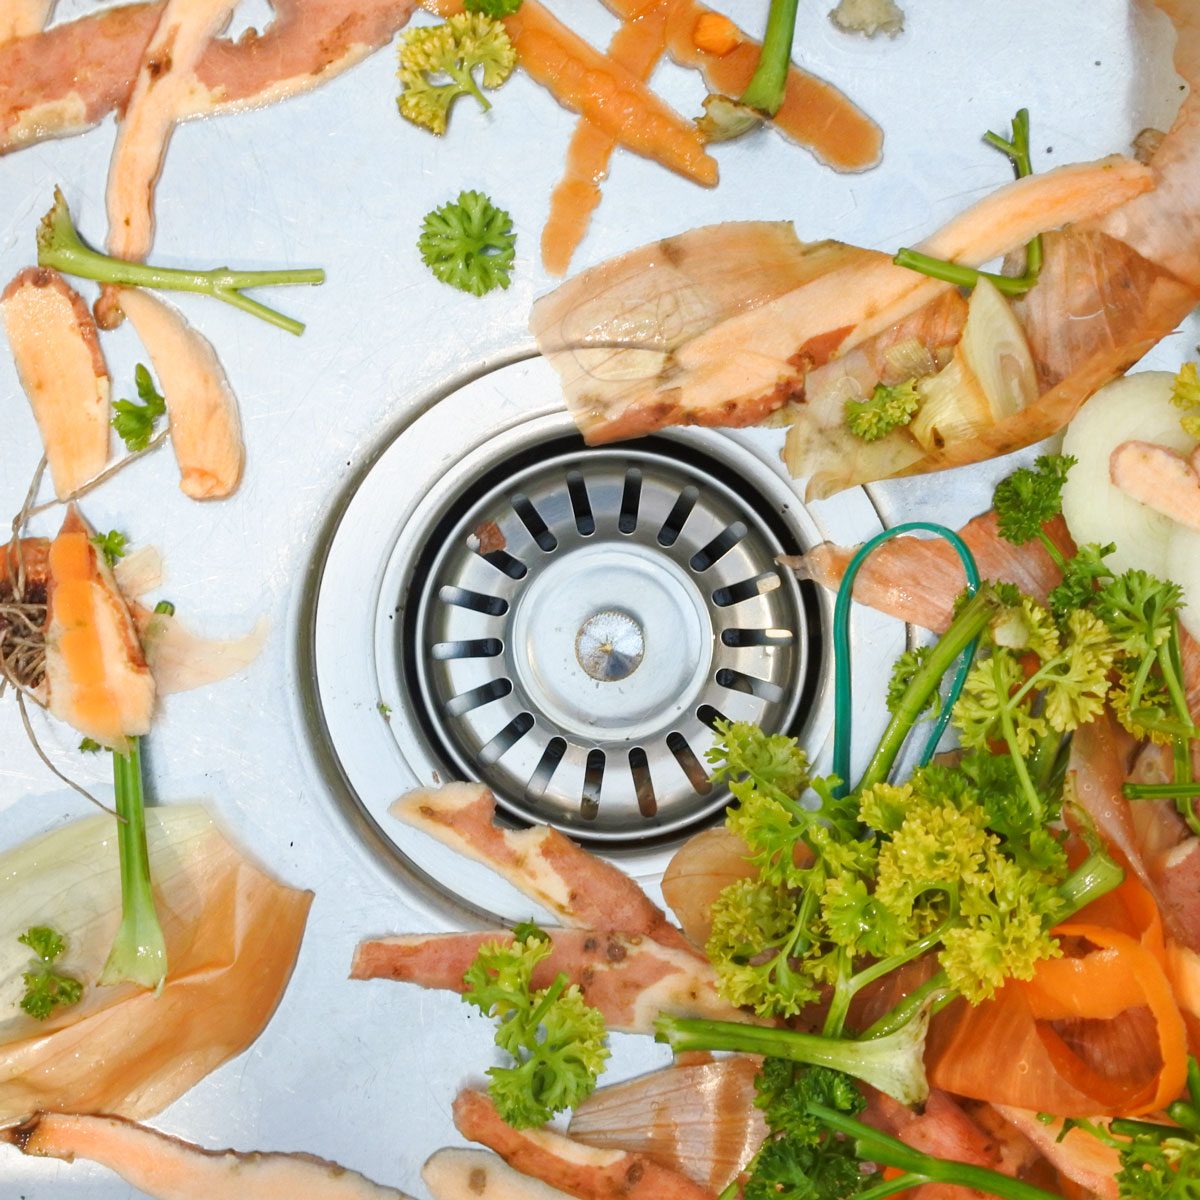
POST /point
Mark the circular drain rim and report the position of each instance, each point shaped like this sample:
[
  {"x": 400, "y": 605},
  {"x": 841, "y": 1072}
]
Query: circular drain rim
[
  {"x": 363, "y": 760},
  {"x": 671, "y": 513}
]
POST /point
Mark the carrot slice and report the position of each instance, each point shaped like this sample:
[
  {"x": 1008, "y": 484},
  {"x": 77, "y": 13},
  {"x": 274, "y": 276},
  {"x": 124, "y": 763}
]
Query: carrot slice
[{"x": 590, "y": 83}]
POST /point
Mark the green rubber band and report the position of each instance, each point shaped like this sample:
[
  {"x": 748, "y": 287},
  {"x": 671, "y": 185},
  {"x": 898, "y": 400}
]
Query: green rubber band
[{"x": 843, "y": 712}]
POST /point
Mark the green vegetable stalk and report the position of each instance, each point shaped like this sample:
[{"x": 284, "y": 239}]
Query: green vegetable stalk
[
  {"x": 725, "y": 118},
  {"x": 139, "y": 951},
  {"x": 893, "y": 1064},
  {"x": 60, "y": 247},
  {"x": 1016, "y": 148}
]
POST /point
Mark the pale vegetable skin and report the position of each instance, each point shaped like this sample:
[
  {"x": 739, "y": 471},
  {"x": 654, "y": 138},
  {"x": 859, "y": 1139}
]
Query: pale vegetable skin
[
  {"x": 479, "y": 1175},
  {"x": 1183, "y": 567},
  {"x": 698, "y": 1120},
  {"x": 206, "y": 430},
  {"x": 232, "y": 936},
  {"x": 20, "y": 18},
  {"x": 165, "y": 88},
  {"x": 1096, "y": 510},
  {"x": 62, "y": 370},
  {"x": 181, "y": 660},
  {"x": 170, "y": 1169},
  {"x": 97, "y": 677},
  {"x": 698, "y": 872},
  {"x": 1082, "y": 1158},
  {"x": 1159, "y": 478}
]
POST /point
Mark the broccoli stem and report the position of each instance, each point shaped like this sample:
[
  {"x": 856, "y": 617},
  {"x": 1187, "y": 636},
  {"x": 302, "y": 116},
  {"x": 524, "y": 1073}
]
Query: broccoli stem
[
  {"x": 61, "y": 248},
  {"x": 873, "y": 1146},
  {"x": 139, "y": 951},
  {"x": 765, "y": 90},
  {"x": 966, "y": 627}
]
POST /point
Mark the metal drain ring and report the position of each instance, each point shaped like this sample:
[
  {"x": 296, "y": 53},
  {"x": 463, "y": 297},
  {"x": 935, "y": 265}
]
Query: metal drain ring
[
  {"x": 534, "y": 567},
  {"x": 364, "y": 736}
]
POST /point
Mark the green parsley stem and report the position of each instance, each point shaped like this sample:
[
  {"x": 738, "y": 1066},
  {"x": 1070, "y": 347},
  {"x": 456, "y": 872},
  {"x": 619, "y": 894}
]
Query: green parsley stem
[
  {"x": 767, "y": 85},
  {"x": 1161, "y": 791},
  {"x": 882, "y": 1148},
  {"x": 911, "y": 1005},
  {"x": 889, "y": 1187},
  {"x": 1055, "y": 553}
]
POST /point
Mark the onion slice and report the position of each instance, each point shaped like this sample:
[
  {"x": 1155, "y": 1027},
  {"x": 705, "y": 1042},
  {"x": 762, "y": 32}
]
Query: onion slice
[
  {"x": 699, "y": 1121},
  {"x": 232, "y": 935}
]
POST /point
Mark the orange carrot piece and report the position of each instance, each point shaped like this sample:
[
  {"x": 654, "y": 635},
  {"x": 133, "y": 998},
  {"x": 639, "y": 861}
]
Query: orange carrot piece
[
  {"x": 638, "y": 46},
  {"x": 814, "y": 113},
  {"x": 588, "y": 82},
  {"x": 714, "y": 33}
]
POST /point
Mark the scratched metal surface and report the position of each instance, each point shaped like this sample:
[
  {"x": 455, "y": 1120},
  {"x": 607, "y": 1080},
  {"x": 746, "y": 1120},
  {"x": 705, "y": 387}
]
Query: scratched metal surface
[{"x": 364, "y": 1074}]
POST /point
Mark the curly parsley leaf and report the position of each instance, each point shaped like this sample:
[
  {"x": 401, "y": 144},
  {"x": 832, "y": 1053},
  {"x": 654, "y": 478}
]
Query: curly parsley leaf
[
  {"x": 887, "y": 409},
  {"x": 469, "y": 244},
  {"x": 45, "y": 988},
  {"x": 111, "y": 544},
  {"x": 1028, "y": 498},
  {"x": 134, "y": 422}
]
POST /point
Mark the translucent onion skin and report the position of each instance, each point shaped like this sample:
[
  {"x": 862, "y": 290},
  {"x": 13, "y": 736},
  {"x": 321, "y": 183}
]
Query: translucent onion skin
[
  {"x": 698, "y": 1120},
  {"x": 232, "y": 935}
]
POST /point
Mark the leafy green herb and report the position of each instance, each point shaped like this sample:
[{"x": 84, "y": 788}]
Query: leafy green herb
[
  {"x": 1016, "y": 148},
  {"x": 469, "y": 244},
  {"x": 90, "y": 746},
  {"x": 1028, "y": 499},
  {"x": 493, "y": 8},
  {"x": 134, "y": 422},
  {"x": 438, "y": 64},
  {"x": 555, "y": 1038},
  {"x": 904, "y": 670},
  {"x": 888, "y": 408},
  {"x": 111, "y": 544},
  {"x": 384, "y": 710},
  {"x": 1186, "y": 395},
  {"x": 59, "y": 246},
  {"x": 45, "y": 988}
]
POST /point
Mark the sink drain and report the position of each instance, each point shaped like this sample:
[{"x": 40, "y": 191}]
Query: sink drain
[
  {"x": 579, "y": 618},
  {"x": 492, "y": 600}
]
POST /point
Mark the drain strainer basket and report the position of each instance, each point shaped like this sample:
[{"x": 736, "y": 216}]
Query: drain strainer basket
[
  {"x": 492, "y": 600},
  {"x": 580, "y": 619}
]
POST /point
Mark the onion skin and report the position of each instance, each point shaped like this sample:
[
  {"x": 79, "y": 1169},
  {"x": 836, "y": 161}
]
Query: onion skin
[{"x": 701, "y": 869}]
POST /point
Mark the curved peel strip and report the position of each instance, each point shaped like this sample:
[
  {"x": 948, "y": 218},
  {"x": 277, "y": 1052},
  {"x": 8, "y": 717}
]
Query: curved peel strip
[
  {"x": 163, "y": 90},
  {"x": 457, "y": 1174},
  {"x": 20, "y": 18},
  {"x": 582, "y": 1171},
  {"x": 181, "y": 660},
  {"x": 97, "y": 678},
  {"x": 580, "y": 889},
  {"x": 206, "y": 430},
  {"x": 232, "y": 935},
  {"x": 62, "y": 370},
  {"x": 170, "y": 1169}
]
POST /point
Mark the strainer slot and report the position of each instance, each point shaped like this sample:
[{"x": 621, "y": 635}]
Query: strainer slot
[
  {"x": 532, "y": 520},
  {"x": 593, "y": 781},
  {"x": 507, "y": 738},
  {"x": 689, "y": 764},
  {"x": 492, "y": 606},
  {"x": 485, "y": 693},
  {"x": 581, "y": 504},
  {"x": 539, "y": 781},
  {"x": 710, "y": 555},
  {"x": 643, "y": 785},
  {"x": 631, "y": 497},
  {"x": 672, "y": 527},
  {"x": 745, "y": 589},
  {"x": 708, "y": 715},
  {"x": 749, "y": 685},
  {"x": 505, "y": 563},
  {"x": 473, "y": 648},
  {"x": 739, "y": 638}
]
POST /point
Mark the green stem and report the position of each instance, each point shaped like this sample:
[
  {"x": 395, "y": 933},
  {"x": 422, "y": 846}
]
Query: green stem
[
  {"x": 466, "y": 80},
  {"x": 1017, "y": 150},
  {"x": 887, "y": 1151},
  {"x": 904, "y": 1012},
  {"x": 1010, "y": 738},
  {"x": 139, "y": 952},
  {"x": 61, "y": 248},
  {"x": 767, "y": 85},
  {"x": 1160, "y": 791},
  {"x": 966, "y": 627},
  {"x": 1055, "y": 553}
]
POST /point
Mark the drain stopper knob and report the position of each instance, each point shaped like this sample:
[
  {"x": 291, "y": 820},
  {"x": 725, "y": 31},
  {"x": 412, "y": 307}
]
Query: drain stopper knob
[{"x": 609, "y": 645}]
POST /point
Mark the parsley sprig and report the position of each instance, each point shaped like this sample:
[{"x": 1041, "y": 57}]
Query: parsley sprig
[
  {"x": 134, "y": 422},
  {"x": 45, "y": 988}
]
